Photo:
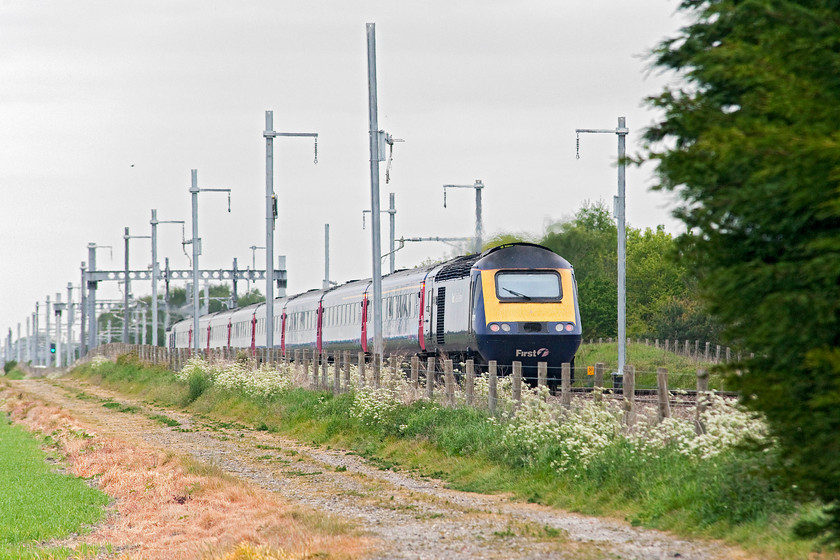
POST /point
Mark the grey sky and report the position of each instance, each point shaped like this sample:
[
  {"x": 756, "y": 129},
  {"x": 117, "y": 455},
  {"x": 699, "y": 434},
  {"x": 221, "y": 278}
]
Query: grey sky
[{"x": 105, "y": 106}]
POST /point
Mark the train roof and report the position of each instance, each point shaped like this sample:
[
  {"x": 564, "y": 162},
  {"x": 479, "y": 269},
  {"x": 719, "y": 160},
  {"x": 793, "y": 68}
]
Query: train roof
[
  {"x": 509, "y": 255},
  {"x": 520, "y": 255}
]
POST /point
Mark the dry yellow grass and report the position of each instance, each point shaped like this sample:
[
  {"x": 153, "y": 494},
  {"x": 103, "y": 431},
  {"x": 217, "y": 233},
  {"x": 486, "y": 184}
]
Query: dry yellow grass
[
  {"x": 163, "y": 511},
  {"x": 247, "y": 551}
]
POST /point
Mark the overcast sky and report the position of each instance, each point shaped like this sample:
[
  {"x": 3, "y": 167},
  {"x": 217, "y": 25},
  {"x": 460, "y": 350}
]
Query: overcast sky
[{"x": 106, "y": 106}]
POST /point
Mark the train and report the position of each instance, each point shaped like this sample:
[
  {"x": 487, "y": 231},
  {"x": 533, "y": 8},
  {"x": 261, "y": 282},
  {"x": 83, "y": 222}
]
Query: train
[{"x": 513, "y": 302}]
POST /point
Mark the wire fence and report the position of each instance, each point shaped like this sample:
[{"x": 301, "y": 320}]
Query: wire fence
[
  {"x": 497, "y": 388},
  {"x": 697, "y": 350}
]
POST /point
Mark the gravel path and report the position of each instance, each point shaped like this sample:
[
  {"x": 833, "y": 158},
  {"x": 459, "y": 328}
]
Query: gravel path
[{"x": 413, "y": 518}]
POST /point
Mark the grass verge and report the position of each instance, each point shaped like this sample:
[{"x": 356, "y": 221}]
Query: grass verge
[{"x": 38, "y": 504}]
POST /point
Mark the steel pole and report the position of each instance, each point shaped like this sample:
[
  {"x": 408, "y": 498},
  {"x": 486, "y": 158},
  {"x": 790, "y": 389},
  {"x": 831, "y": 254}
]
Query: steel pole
[
  {"x": 155, "y": 275},
  {"x": 28, "y": 355},
  {"x": 91, "y": 298},
  {"x": 196, "y": 252},
  {"x": 281, "y": 266},
  {"x": 619, "y": 203},
  {"x": 70, "y": 318},
  {"x": 479, "y": 226},
  {"x": 622, "y": 249},
  {"x": 47, "y": 334},
  {"x": 84, "y": 310},
  {"x": 392, "y": 213},
  {"x": 269, "y": 230},
  {"x": 36, "y": 358},
  {"x": 57, "y": 308},
  {"x": 127, "y": 286},
  {"x": 166, "y": 300},
  {"x": 326, "y": 284},
  {"x": 376, "y": 240},
  {"x": 235, "y": 298}
]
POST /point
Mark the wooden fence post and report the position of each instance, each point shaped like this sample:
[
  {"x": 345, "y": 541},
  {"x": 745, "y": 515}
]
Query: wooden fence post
[
  {"x": 316, "y": 359},
  {"x": 702, "y": 399},
  {"x": 470, "y": 382},
  {"x": 600, "y": 367},
  {"x": 346, "y": 362},
  {"x": 542, "y": 374},
  {"x": 336, "y": 373},
  {"x": 415, "y": 374},
  {"x": 449, "y": 379},
  {"x": 492, "y": 386},
  {"x": 662, "y": 393},
  {"x": 325, "y": 385},
  {"x": 629, "y": 394},
  {"x": 377, "y": 370},
  {"x": 395, "y": 369},
  {"x": 430, "y": 379},
  {"x": 566, "y": 385},
  {"x": 361, "y": 358},
  {"x": 517, "y": 384}
]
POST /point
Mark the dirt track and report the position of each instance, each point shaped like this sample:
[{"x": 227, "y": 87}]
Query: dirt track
[{"x": 408, "y": 517}]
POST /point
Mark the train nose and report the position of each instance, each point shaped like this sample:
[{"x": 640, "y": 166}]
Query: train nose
[{"x": 529, "y": 347}]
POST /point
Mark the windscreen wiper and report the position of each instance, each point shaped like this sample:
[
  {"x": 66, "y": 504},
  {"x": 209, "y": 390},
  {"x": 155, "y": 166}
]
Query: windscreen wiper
[{"x": 516, "y": 293}]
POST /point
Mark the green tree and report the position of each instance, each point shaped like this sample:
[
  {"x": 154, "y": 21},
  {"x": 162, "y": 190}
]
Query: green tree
[
  {"x": 219, "y": 298},
  {"x": 751, "y": 144},
  {"x": 588, "y": 242},
  {"x": 254, "y": 296},
  {"x": 177, "y": 297}
]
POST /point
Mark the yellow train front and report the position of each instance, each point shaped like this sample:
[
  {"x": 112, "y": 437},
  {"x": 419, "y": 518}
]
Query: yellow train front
[{"x": 525, "y": 308}]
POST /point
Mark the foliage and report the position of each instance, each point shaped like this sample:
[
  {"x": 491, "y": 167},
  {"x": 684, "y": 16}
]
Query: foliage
[
  {"x": 9, "y": 366},
  {"x": 662, "y": 294},
  {"x": 254, "y": 296},
  {"x": 750, "y": 143}
]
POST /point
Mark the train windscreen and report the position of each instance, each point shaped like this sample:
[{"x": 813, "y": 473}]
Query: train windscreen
[{"x": 528, "y": 286}]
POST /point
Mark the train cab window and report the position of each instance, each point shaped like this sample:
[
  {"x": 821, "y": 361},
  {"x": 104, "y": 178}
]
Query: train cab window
[{"x": 523, "y": 286}]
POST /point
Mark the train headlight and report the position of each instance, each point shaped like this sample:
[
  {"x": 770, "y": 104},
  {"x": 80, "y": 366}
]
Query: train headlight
[
  {"x": 558, "y": 327},
  {"x": 505, "y": 327},
  {"x": 494, "y": 327}
]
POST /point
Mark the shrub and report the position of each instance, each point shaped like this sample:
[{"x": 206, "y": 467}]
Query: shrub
[{"x": 198, "y": 382}]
